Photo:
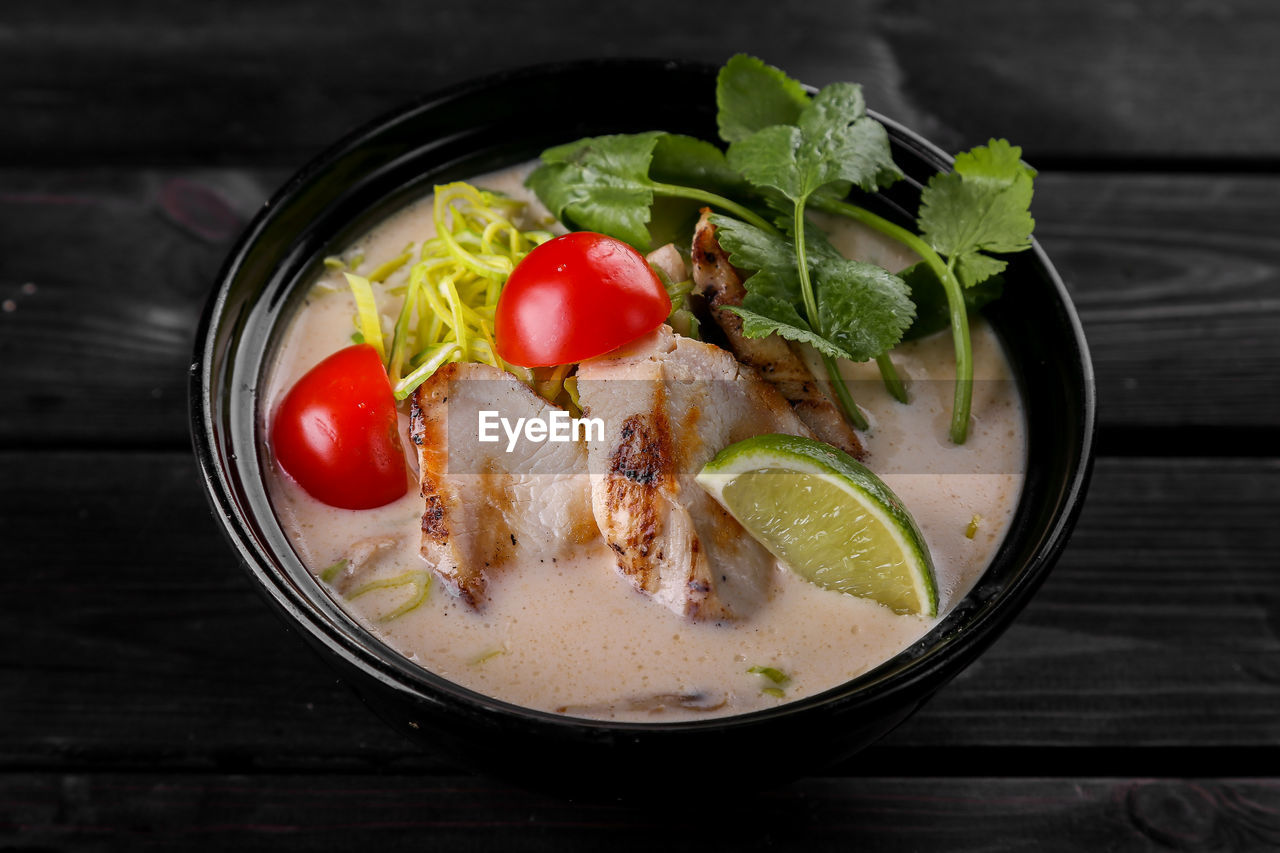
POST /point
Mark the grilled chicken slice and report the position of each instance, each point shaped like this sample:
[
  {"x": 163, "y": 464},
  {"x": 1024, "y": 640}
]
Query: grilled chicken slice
[
  {"x": 716, "y": 279},
  {"x": 486, "y": 507},
  {"x": 669, "y": 404},
  {"x": 667, "y": 258}
]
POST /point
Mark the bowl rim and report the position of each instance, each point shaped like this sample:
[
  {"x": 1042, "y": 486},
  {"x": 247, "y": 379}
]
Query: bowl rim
[{"x": 394, "y": 670}]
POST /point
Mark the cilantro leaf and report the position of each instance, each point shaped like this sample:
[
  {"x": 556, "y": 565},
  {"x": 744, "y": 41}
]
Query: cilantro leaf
[
  {"x": 854, "y": 145},
  {"x": 933, "y": 314},
  {"x": 620, "y": 154},
  {"x": 751, "y": 96},
  {"x": 765, "y": 315},
  {"x": 865, "y": 308},
  {"x": 772, "y": 258},
  {"x": 974, "y": 268},
  {"x": 694, "y": 162},
  {"x": 980, "y": 206},
  {"x": 833, "y": 141},
  {"x": 601, "y": 184}
]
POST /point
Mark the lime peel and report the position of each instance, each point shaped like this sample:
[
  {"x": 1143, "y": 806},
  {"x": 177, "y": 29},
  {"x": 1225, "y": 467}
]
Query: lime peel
[{"x": 838, "y": 482}]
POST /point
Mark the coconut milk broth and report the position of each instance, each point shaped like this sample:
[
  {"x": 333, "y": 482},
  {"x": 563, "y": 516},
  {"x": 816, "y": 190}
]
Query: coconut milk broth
[{"x": 574, "y": 637}]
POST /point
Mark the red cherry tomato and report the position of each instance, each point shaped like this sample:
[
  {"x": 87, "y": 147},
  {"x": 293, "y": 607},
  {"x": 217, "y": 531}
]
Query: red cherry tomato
[
  {"x": 336, "y": 432},
  {"x": 574, "y": 297}
]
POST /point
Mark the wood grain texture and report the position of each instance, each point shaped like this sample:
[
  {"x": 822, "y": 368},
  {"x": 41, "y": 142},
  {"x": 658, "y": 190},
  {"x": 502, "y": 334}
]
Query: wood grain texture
[
  {"x": 124, "y": 629},
  {"x": 104, "y": 275},
  {"x": 1177, "y": 281},
  {"x": 150, "y": 700},
  {"x": 1176, "y": 278},
  {"x": 276, "y": 81},
  {"x": 391, "y": 813}
]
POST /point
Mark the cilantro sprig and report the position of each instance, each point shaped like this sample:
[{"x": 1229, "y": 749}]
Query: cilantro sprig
[
  {"x": 603, "y": 183},
  {"x": 832, "y": 145},
  {"x": 789, "y": 151},
  {"x": 865, "y": 309},
  {"x": 981, "y": 206}
]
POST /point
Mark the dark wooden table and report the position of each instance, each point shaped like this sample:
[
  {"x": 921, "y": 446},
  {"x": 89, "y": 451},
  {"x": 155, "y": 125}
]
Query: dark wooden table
[{"x": 148, "y": 698}]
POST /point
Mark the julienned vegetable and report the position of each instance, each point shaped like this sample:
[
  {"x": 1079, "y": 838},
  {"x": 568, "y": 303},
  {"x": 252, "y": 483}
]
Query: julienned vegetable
[
  {"x": 449, "y": 301},
  {"x": 789, "y": 151},
  {"x": 577, "y": 296},
  {"x": 337, "y": 434},
  {"x": 420, "y": 581}
]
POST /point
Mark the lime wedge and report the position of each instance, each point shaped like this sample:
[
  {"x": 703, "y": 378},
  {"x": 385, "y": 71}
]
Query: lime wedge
[{"x": 827, "y": 518}]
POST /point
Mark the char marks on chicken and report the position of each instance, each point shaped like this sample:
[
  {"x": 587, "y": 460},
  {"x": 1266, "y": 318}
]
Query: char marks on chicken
[
  {"x": 669, "y": 404},
  {"x": 487, "y": 507}
]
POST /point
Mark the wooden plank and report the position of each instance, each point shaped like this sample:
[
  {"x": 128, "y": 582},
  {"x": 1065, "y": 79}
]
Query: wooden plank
[
  {"x": 1176, "y": 279},
  {"x": 219, "y": 812},
  {"x": 104, "y": 276},
  {"x": 126, "y": 634},
  {"x": 1157, "y": 628},
  {"x": 278, "y": 80},
  {"x": 1175, "y": 276}
]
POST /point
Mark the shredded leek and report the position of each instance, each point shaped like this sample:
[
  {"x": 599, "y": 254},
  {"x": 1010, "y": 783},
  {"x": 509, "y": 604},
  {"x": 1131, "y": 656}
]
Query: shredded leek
[
  {"x": 486, "y": 656},
  {"x": 451, "y": 295},
  {"x": 436, "y": 357},
  {"x": 384, "y": 271},
  {"x": 548, "y": 382},
  {"x": 777, "y": 676},
  {"x": 328, "y": 573},
  {"x": 421, "y": 582},
  {"x": 681, "y": 318},
  {"x": 368, "y": 321}
]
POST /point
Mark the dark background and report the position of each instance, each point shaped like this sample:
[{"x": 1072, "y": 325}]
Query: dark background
[{"x": 149, "y": 698}]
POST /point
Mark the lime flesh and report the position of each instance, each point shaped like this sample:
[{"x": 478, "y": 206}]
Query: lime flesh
[{"x": 827, "y": 518}]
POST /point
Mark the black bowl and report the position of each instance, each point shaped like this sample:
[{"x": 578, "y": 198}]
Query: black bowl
[{"x": 494, "y": 123}]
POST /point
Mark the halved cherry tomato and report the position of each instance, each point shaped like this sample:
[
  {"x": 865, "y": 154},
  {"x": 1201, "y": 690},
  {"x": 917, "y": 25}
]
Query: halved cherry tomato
[
  {"x": 336, "y": 432},
  {"x": 574, "y": 297}
]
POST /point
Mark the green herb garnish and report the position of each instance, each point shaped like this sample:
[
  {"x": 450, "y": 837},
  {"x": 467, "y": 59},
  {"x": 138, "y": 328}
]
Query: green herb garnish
[
  {"x": 867, "y": 308},
  {"x": 789, "y": 151},
  {"x": 603, "y": 184},
  {"x": 979, "y": 207},
  {"x": 927, "y": 292},
  {"x": 982, "y": 205},
  {"x": 832, "y": 144},
  {"x": 777, "y": 676}
]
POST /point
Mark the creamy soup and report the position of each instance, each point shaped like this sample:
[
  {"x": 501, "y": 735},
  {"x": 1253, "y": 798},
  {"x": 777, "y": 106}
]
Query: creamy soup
[{"x": 574, "y": 636}]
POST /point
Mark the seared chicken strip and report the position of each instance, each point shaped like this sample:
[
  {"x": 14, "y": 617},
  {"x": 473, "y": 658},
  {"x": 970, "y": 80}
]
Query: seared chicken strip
[
  {"x": 715, "y": 278},
  {"x": 669, "y": 404},
  {"x": 486, "y": 506},
  {"x": 667, "y": 259}
]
